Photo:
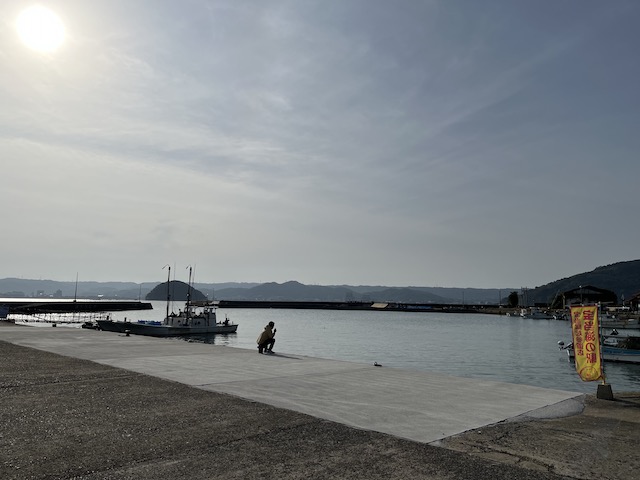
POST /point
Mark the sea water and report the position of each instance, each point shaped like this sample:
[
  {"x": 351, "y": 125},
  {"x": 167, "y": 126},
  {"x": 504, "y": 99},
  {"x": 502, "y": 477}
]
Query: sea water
[{"x": 491, "y": 347}]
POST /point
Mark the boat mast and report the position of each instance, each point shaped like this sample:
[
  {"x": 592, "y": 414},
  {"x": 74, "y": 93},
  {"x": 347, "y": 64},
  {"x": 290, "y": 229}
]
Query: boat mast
[
  {"x": 168, "y": 283},
  {"x": 189, "y": 294}
]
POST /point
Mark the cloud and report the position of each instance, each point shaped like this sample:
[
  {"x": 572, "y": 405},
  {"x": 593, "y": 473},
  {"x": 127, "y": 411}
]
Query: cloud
[{"x": 363, "y": 142}]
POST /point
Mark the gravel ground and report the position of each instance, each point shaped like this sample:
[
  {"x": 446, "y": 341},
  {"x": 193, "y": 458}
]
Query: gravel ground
[
  {"x": 602, "y": 442},
  {"x": 62, "y": 417}
]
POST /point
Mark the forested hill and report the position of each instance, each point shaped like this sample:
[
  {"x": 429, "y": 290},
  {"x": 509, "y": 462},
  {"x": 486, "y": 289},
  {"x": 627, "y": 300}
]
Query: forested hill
[
  {"x": 623, "y": 278},
  {"x": 296, "y": 291}
]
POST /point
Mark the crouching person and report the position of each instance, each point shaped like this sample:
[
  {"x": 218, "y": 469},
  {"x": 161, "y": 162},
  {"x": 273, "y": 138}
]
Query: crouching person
[{"x": 266, "y": 340}]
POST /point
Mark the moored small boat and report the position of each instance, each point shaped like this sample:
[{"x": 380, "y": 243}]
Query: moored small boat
[
  {"x": 613, "y": 322},
  {"x": 614, "y": 347},
  {"x": 536, "y": 314},
  {"x": 193, "y": 320},
  {"x": 190, "y": 321}
]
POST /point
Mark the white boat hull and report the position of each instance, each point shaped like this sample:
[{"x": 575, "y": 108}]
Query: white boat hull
[{"x": 154, "y": 330}]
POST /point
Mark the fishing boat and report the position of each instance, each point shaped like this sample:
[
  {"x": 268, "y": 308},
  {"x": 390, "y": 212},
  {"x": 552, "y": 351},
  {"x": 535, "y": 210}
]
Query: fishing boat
[
  {"x": 617, "y": 346},
  {"x": 193, "y": 320}
]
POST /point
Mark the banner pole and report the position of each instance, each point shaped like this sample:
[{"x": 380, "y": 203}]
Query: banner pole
[{"x": 604, "y": 391}]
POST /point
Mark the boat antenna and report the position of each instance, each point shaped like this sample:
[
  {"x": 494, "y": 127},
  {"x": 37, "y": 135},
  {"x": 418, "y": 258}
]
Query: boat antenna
[
  {"x": 168, "y": 283},
  {"x": 75, "y": 294}
]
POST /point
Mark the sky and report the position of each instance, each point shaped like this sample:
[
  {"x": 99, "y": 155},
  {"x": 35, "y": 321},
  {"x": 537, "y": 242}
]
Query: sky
[{"x": 448, "y": 143}]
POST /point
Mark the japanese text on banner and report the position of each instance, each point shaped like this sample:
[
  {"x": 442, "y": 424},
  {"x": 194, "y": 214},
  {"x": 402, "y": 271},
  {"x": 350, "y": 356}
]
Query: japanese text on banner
[{"x": 586, "y": 342}]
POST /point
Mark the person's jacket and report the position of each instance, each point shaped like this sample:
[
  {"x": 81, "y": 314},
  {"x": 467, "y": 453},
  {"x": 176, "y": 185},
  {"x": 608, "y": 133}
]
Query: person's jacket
[{"x": 266, "y": 335}]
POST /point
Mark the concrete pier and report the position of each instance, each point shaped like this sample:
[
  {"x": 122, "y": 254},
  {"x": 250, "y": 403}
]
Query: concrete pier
[
  {"x": 171, "y": 391},
  {"x": 419, "y": 406}
]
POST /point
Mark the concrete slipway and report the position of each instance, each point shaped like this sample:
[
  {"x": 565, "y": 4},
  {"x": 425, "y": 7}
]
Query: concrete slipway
[{"x": 419, "y": 406}]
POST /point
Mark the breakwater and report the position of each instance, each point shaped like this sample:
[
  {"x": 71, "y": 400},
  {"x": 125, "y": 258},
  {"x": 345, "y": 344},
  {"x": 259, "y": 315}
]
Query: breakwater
[
  {"x": 368, "y": 306},
  {"x": 30, "y": 307}
]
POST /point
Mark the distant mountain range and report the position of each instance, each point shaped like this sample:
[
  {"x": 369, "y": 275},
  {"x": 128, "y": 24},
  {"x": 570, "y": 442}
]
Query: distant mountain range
[
  {"x": 623, "y": 278},
  {"x": 288, "y": 291}
]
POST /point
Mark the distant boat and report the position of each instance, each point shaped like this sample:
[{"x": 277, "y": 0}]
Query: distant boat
[
  {"x": 536, "y": 314},
  {"x": 193, "y": 320},
  {"x": 613, "y": 322}
]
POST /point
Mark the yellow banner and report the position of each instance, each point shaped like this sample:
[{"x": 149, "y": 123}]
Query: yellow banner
[{"x": 586, "y": 343}]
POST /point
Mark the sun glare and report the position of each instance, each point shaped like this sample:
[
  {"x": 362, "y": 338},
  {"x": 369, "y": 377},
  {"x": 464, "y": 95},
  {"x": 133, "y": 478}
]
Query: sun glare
[{"x": 40, "y": 29}]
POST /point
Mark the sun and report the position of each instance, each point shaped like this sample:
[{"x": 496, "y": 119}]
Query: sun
[{"x": 40, "y": 29}]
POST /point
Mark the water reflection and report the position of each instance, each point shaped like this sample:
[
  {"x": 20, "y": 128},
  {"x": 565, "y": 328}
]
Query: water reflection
[{"x": 226, "y": 339}]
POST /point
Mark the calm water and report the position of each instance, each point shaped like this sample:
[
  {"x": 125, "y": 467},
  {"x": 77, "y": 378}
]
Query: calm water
[{"x": 508, "y": 349}]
